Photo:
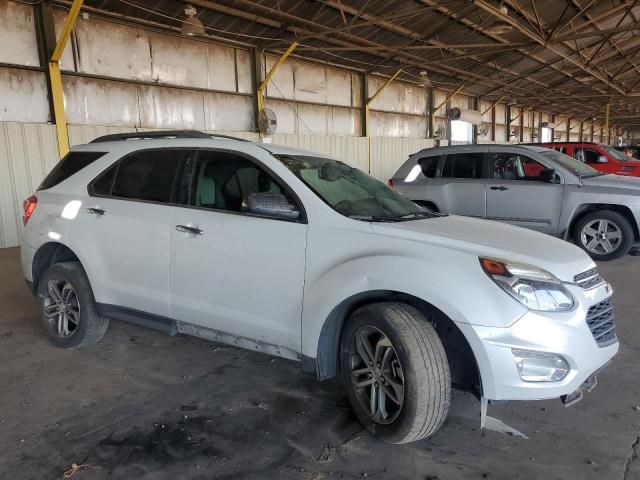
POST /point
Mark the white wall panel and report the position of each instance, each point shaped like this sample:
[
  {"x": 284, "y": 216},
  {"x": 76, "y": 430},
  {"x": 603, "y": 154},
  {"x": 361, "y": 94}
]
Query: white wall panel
[
  {"x": 500, "y": 114},
  {"x": 398, "y": 97},
  {"x": 387, "y": 154},
  {"x": 113, "y": 50},
  {"x": 27, "y": 153},
  {"x": 345, "y": 121},
  {"x": 23, "y": 96},
  {"x": 171, "y": 108},
  {"x": 228, "y": 112},
  {"x": 281, "y": 83},
  {"x": 397, "y": 125},
  {"x": 100, "y": 102},
  {"x": 18, "y": 42},
  {"x": 286, "y": 115},
  {"x": 244, "y": 67}
]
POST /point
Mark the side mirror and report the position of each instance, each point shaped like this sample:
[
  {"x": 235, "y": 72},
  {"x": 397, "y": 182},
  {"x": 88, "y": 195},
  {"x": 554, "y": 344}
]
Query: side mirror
[
  {"x": 549, "y": 175},
  {"x": 602, "y": 159},
  {"x": 270, "y": 204}
]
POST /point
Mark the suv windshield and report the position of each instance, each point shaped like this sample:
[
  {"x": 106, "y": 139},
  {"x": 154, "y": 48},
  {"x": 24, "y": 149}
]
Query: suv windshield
[
  {"x": 576, "y": 167},
  {"x": 352, "y": 192},
  {"x": 620, "y": 156}
]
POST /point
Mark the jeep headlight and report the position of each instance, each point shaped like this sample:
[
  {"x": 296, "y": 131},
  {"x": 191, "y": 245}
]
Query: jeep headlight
[{"x": 535, "y": 288}]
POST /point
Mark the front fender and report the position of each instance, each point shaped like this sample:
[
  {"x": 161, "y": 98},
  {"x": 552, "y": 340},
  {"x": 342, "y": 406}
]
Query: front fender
[{"x": 456, "y": 285}]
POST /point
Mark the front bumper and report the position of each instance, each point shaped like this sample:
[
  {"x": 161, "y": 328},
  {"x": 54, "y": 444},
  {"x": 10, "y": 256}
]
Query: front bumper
[{"x": 565, "y": 334}]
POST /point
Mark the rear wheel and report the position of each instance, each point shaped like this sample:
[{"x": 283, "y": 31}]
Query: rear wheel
[
  {"x": 68, "y": 307},
  {"x": 604, "y": 235},
  {"x": 395, "y": 370}
]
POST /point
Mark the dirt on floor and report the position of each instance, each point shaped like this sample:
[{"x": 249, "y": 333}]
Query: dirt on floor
[{"x": 143, "y": 405}]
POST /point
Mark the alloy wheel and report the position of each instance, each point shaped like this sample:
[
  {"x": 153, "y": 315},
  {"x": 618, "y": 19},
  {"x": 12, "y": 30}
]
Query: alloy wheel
[
  {"x": 601, "y": 236},
  {"x": 377, "y": 378},
  {"x": 61, "y": 308}
]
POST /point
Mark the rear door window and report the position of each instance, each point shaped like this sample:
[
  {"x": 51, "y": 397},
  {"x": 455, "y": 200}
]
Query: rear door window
[
  {"x": 148, "y": 175},
  {"x": 463, "y": 165},
  {"x": 71, "y": 164},
  {"x": 429, "y": 166},
  {"x": 587, "y": 155}
]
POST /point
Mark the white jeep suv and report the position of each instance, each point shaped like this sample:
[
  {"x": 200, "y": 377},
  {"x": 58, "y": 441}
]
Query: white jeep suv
[{"x": 298, "y": 255}]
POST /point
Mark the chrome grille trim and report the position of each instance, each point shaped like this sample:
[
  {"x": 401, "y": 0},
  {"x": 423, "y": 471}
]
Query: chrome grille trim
[
  {"x": 589, "y": 279},
  {"x": 600, "y": 319}
]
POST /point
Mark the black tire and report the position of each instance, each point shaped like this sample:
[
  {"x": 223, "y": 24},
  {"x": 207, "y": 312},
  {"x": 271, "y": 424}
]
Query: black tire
[
  {"x": 616, "y": 223},
  {"x": 71, "y": 279},
  {"x": 424, "y": 372}
]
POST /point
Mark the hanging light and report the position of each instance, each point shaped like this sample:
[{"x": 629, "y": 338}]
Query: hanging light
[
  {"x": 191, "y": 25},
  {"x": 500, "y": 26},
  {"x": 510, "y": 101},
  {"x": 424, "y": 79}
]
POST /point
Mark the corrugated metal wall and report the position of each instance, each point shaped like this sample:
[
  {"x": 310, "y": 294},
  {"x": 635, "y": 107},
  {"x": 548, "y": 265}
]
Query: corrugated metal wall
[{"x": 27, "y": 153}]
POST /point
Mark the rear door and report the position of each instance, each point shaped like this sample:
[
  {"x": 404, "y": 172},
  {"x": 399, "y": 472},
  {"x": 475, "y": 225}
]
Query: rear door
[
  {"x": 519, "y": 194},
  {"x": 122, "y": 230},
  {"x": 459, "y": 187}
]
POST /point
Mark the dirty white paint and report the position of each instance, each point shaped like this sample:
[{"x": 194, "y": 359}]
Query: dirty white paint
[
  {"x": 23, "y": 96},
  {"x": 398, "y": 97},
  {"x": 18, "y": 34},
  {"x": 388, "y": 154},
  {"x": 383, "y": 124},
  {"x": 27, "y": 153}
]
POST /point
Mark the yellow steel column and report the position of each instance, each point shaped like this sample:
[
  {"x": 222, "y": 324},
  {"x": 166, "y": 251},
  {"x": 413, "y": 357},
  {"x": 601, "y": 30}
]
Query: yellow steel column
[
  {"x": 56, "y": 79},
  {"x": 263, "y": 84}
]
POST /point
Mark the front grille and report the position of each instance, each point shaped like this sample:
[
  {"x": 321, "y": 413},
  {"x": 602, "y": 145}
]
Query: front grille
[
  {"x": 600, "y": 321},
  {"x": 588, "y": 279}
]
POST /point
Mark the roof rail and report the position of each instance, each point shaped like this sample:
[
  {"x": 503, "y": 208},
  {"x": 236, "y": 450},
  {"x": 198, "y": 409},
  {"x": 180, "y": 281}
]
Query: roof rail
[{"x": 160, "y": 134}]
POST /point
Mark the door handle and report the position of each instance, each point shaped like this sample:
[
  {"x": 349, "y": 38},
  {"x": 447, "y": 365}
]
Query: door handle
[
  {"x": 190, "y": 230},
  {"x": 502, "y": 188},
  {"x": 95, "y": 211}
]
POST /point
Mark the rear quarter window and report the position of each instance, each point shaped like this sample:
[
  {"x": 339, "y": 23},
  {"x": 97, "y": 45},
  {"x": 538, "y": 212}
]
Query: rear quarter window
[
  {"x": 71, "y": 164},
  {"x": 429, "y": 166}
]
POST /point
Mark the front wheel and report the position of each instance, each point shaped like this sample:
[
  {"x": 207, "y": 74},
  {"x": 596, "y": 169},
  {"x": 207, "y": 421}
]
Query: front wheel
[
  {"x": 396, "y": 373},
  {"x": 604, "y": 235}
]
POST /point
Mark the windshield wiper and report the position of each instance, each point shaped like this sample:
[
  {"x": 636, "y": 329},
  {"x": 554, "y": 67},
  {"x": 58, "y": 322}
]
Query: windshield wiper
[
  {"x": 374, "y": 218},
  {"x": 420, "y": 215}
]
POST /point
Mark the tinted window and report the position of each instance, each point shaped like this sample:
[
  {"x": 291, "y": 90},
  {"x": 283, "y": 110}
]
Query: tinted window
[
  {"x": 102, "y": 185},
  {"x": 463, "y": 165},
  {"x": 222, "y": 181},
  {"x": 586, "y": 155},
  {"x": 72, "y": 163},
  {"x": 147, "y": 175},
  {"x": 428, "y": 166},
  {"x": 513, "y": 166}
]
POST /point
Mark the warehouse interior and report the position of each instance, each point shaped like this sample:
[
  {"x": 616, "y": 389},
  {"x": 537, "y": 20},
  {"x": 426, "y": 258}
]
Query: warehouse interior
[{"x": 367, "y": 82}]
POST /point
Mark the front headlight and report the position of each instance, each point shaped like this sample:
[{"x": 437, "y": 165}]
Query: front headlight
[{"x": 535, "y": 288}]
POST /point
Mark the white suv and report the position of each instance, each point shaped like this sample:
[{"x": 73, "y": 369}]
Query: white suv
[{"x": 297, "y": 255}]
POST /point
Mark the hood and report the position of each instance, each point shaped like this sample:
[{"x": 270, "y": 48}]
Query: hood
[
  {"x": 614, "y": 181},
  {"x": 495, "y": 240}
]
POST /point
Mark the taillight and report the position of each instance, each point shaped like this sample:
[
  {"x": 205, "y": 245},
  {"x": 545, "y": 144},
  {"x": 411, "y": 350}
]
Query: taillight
[
  {"x": 390, "y": 183},
  {"x": 29, "y": 206}
]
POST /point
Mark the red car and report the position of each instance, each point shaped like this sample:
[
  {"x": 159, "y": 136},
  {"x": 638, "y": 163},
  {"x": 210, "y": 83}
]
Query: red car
[{"x": 601, "y": 157}]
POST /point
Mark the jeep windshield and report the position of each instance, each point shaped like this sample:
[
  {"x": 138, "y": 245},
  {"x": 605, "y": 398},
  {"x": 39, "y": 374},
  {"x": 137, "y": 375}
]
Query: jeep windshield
[
  {"x": 352, "y": 192},
  {"x": 581, "y": 170}
]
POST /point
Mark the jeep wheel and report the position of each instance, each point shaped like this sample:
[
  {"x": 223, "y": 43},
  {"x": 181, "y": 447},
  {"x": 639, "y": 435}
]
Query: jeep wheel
[
  {"x": 604, "y": 235},
  {"x": 396, "y": 373},
  {"x": 68, "y": 308}
]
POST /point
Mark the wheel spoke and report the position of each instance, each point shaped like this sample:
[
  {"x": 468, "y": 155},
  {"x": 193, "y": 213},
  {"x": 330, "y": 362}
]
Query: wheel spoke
[
  {"x": 602, "y": 226},
  {"x": 67, "y": 293},
  {"x": 613, "y": 235},
  {"x": 381, "y": 348},
  {"x": 606, "y": 244},
  {"x": 54, "y": 292},
  {"x": 60, "y": 321},
  {"x": 364, "y": 348},
  {"x": 382, "y": 402},
  {"x": 51, "y": 311},
  {"x": 73, "y": 315},
  {"x": 373, "y": 400},
  {"x": 590, "y": 231},
  {"x": 593, "y": 244}
]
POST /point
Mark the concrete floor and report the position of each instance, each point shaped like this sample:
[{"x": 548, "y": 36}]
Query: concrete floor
[{"x": 146, "y": 406}]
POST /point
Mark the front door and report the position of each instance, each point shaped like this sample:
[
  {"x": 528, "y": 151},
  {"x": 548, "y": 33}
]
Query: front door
[
  {"x": 521, "y": 194},
  {"x": 459, "y": 188},
  {"x": 231, "y": 271}
]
